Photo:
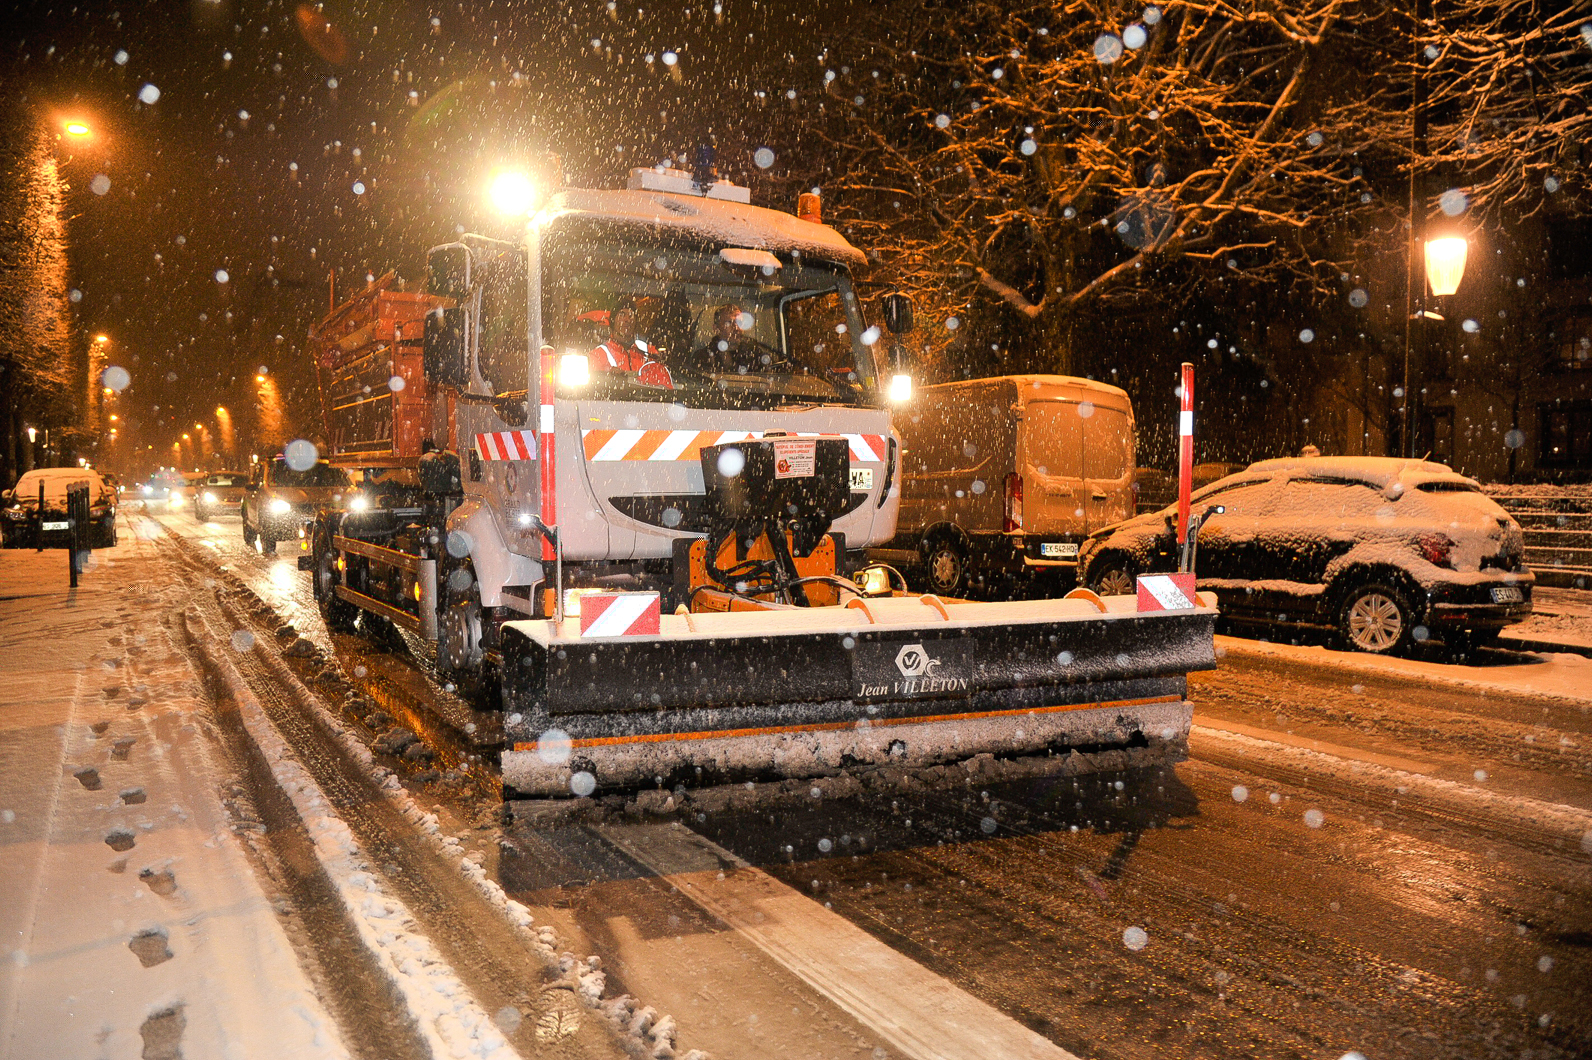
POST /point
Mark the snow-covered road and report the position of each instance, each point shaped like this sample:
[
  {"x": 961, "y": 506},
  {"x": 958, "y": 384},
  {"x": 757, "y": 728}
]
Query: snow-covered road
[{"x": 1389, "y": 856}]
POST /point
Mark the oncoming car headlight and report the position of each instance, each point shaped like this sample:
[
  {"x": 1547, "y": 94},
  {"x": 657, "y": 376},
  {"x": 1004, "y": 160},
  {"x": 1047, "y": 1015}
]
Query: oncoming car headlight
[
  {"x": 280, "y": 507},
  {"x": 210, "y": 498},
  {"x": 174, "y": 500}
]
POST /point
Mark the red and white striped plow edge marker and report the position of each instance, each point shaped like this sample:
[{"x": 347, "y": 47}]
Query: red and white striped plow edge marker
[
  {"x": 506, "y": 445},
  {"x": 1167, "y": 592},
  {"x": 606, "y": 445},
  {"x": 619, "y": 614}
]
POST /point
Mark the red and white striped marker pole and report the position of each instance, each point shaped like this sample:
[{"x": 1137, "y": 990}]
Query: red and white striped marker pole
[
  {"x": 1185, "y": 454},
  {"x": 545, "y": 425}
]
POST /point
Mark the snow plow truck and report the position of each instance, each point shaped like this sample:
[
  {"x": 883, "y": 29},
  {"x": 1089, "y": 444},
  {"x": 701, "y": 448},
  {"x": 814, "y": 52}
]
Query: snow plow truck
[{"x": 622, "y": 473}]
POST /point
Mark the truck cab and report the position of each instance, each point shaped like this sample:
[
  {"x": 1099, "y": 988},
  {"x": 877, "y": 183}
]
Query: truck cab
[{"x": 743, "y": 322}]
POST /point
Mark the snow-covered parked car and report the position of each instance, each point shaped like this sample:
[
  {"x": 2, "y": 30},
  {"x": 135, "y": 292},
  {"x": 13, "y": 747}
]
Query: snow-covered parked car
[
  {"x": 24, "y": 525},
  {"x": 1384, "y": 550}
]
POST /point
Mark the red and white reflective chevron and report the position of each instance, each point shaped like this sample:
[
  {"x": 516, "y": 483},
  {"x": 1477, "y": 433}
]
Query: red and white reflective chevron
[
  {"x": 605, "y": 445},
  {"x": 506, "y": 445},
  {"x": 619, "y": 614},
  {"x": 1167, "y": 592}
]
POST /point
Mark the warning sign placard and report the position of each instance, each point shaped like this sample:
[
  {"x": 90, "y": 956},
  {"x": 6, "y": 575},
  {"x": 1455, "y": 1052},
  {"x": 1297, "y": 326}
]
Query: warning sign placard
[{"x": 794, "y": 457}]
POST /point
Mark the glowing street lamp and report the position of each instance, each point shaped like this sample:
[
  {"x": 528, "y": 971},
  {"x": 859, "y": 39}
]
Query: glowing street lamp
[
  {"x": 78, "y": 129},
  {"x": 1445, "y": 263}
]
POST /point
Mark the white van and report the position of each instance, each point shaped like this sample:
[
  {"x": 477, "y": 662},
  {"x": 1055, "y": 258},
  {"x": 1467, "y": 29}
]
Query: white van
[{"x": 1009, "y": 474}]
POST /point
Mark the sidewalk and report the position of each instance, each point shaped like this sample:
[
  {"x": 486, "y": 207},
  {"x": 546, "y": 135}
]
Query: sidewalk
[
  {"x": 1561, "y": 620},
  {"x": 131, "y": 921}
]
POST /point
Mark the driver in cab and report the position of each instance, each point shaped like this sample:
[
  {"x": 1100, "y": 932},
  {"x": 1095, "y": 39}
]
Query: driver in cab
[
  {"x": 624, "y": 352},
  {"x": 730, "y": 350}
]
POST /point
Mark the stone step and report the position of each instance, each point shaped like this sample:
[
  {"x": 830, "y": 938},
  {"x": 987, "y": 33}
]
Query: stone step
[
  {"x": 1552, "y": 537},
  {"x": 1545, "y": 504}
]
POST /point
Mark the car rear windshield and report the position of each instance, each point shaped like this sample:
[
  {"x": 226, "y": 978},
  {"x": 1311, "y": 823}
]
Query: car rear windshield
[{"x": 322, "y": 475}]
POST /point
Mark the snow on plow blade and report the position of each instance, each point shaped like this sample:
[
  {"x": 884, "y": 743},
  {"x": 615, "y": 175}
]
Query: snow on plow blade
[{"x": 715, "y": 698}]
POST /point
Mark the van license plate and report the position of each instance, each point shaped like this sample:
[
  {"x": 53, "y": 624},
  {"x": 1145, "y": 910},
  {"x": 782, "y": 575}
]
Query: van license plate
[
  {"x": 1059, "y": 549},
  {"x": 1507, "y": 594},
  {"x": 861, "y": 478},
  {"x": 56, "y": 526}
]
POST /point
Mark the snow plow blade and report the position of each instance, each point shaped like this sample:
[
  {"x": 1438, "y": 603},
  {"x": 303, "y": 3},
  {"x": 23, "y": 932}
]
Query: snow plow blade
[{"x": 720, "y": 698}]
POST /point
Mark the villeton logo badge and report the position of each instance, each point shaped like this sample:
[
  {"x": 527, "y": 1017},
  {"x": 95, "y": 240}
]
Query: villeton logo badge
[{"x": 913, "y": 661}]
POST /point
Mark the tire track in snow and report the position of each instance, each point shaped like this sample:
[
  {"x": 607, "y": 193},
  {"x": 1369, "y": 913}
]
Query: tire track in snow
[{"x": 445, "y": 1013}]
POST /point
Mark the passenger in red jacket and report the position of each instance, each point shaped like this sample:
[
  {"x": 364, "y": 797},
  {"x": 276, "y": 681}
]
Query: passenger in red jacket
[{"x": 624, "y": 351}]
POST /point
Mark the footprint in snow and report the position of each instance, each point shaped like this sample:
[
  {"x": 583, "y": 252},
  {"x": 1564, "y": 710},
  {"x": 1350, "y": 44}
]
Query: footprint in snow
[
  {"x": 120, "y": 839},
  {"x": 133, "y": 796},
  {"x": 162, "y": 883},
  {"x": 99, "y": 727},
  {"x": 162, "y": 1034},
  {"x": 149, "y": 946},
  {"x": 122, "y": 746},
  {"x": 89, "y": 777}
]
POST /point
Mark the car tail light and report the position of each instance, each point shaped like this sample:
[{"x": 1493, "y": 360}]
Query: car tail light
[
  {"x": 1013, "y": 520},
  {"x": 1436, "y": 548}
]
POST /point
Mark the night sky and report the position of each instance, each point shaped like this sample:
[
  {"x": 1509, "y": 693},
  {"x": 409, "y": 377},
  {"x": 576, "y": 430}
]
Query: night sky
[{"x": 242, "y": 152}]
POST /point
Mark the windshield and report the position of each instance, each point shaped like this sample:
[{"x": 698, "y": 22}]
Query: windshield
[
  {"x": 717, "y": 335},
  {"x": 319, "y": 475}
]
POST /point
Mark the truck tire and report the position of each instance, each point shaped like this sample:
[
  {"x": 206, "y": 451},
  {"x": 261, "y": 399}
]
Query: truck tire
[
  {"x": 464, "y": 635},
  {"x": 945, "y": 564},
  {"x": 338, "y": 614},
  {"x": 1375, "y": 618},
  {"x": 1112, "y": 575}
]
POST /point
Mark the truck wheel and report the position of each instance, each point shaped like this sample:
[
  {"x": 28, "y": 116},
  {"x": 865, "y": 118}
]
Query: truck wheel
[
  {"x": 1375, "y": 618},
  {"x": 463, "y": 634},
  {"x": 339, "y": 614},
  {"x": 1112, "y": 576},
  {"x": 946, "y": 563}
]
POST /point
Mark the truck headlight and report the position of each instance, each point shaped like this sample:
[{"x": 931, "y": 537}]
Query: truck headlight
[
  {"x": 358, "y": 502},
  {"x": 900, "y": 387},
  {"x": 280, "y": 507},
  {"x": 574, "y": 370}
]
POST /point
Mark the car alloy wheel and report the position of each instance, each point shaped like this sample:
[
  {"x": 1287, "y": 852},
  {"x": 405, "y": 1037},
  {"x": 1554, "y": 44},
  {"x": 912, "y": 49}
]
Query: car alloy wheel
[
  {"x": 1375, "y": 619},
  {"x": 1115, "y": 580},
  {"x": 947, "y": 567}
]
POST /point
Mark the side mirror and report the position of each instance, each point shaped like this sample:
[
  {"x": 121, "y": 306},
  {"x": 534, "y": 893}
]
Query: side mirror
[
  {"x": 444, "y": 356},
  {"x": 8, "y": 496},
  {"x": 449, "y": 272},
  {"x": 898, "y": 313}
]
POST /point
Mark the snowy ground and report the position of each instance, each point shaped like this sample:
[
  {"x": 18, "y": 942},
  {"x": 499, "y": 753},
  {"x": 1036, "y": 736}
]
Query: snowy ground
[
  {"x": 132, "y": 922},
  {"x": 1379, "y": 855}
]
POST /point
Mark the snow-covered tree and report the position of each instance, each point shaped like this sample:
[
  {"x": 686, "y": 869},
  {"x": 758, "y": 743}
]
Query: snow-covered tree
[
  {"x": 40, "y": 381},
  {"x": 1067, "y": 157}
]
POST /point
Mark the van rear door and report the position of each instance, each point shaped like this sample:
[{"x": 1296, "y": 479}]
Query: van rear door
[
  {"x": 1051, "y": 462},
  {"x": 1107, "y": 464}
]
